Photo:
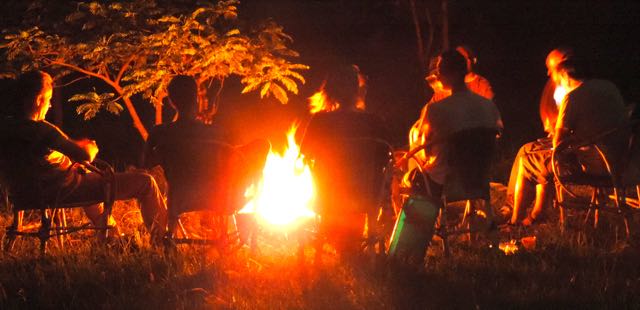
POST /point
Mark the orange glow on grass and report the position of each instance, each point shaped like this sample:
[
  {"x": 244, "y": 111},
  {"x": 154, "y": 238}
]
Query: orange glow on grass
[{"x": 285, "y": 194}]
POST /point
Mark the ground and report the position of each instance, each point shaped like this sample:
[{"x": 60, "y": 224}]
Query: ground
[{"x": 577, "y": 267}]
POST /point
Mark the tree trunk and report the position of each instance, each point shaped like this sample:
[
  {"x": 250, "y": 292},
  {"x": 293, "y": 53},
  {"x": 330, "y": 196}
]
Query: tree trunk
[
  {"x": 445, "y": 25},
  {"x": 419, "y": 39},
  {"x": 137, "y": 123}
]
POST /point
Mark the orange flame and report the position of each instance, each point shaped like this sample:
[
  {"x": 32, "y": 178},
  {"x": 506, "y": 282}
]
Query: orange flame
[
  {"x": 559, "y": 94},
  {"x": 285, "y": 194}
]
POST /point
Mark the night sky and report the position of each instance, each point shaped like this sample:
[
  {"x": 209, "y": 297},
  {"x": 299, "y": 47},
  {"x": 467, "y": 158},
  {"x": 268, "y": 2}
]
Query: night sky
[{"x": 510, "y": 38}]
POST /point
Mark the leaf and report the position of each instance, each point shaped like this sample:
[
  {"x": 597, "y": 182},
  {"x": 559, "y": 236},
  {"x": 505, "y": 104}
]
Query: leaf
[
  {"x": 114, "y": 107},
  {"x": 265, "y": 89},
  {"x": 279, "y": 93},
  {"x": 232, "y": 33}
]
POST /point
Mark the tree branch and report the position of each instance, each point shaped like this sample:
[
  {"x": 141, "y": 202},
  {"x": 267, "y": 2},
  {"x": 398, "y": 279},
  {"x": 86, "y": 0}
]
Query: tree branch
[{"x": 125, "y": 66}]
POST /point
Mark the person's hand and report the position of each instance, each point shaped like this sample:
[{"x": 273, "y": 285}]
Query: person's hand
[{"x": 90, "y": 147}]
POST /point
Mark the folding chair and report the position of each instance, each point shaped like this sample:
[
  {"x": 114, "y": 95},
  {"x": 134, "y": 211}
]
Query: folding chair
[
  {"x": 204, "y": 175},
  {"x": 356, "y": 174},
  {"x": 470, "y": 153},
  {"x": 612, "y": 174},
  {"x": 53, "y": 221}
]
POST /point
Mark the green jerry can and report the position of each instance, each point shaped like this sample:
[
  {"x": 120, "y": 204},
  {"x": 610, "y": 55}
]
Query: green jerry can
[{"x": 414, "y": 229}]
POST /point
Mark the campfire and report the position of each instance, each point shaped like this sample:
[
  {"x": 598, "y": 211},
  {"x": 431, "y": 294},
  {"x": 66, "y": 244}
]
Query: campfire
[{"x": 284, "y": 196}]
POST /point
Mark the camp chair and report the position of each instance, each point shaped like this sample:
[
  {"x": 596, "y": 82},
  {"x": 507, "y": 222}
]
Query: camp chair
[
  {"x": 204, "y": 175},
  {"x": 470, "y": 153},
  {"x": 53, "y": 221},
  {"x": 355, "y": 175},
  {"x": 616, "y": 171}
]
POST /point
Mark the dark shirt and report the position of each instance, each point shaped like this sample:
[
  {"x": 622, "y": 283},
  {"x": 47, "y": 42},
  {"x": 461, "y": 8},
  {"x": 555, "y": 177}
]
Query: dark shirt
[
  {"x": 37, "y": 153},
  {"x": 173, "y": 135},
  {"x": 348, "y": 157}
]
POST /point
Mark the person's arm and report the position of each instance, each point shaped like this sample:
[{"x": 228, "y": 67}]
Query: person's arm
[
  {"x": 563, "y": 124},
  {"x": 77, "y": 150},
  {"x": 149, "y": 156}
]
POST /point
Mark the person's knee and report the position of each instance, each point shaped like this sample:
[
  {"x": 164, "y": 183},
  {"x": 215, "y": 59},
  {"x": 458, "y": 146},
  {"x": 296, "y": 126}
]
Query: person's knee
[{"x": 147, "y": 182}]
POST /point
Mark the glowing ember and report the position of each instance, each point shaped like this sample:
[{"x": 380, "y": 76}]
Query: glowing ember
[
  {"x": 285, "y": 194},
  {"x": 559, "y": 94}
]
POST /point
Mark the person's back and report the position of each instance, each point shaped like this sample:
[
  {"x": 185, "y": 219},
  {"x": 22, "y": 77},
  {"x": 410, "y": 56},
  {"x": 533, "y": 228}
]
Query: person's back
[{"x": 462, "y": 110}]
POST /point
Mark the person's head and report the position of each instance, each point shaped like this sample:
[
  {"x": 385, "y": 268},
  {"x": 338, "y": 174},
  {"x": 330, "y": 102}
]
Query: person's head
[
  {"x": 34, "y": 90},
  {"x": 183, "y": 93},
  {"x": 469, "y": 56},
  {"x": 342, "y": 86},
  {"x": 555, "y": 57},
  {"x": 452, "y": 69},
  {"x": 569, "y": 73}
]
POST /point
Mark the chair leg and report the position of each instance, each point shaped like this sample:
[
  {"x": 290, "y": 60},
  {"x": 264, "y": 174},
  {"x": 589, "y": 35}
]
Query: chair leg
[
  {"x": 561, "y": 210},
  {"x": 12, "y": 231},
  {"x": 620, "y": 201},
  {"x": 45, "y": 231},
  {"x": 443, "y": 231}
]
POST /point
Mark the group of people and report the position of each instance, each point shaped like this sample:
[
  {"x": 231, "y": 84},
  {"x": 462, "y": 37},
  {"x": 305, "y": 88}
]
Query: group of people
[
  {"x": 574, "y": 107},
  {"x": 37, "y": 153},
  {"x": 39, "y": 161}
]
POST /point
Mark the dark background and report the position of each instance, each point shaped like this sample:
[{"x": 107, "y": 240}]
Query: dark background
[{"x": 510, "y": 38}]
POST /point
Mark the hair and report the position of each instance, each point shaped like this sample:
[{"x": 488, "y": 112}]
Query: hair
[
  {"x": 342, "y": 85},
  {"x": 469, "y": 56},
  {"x": 453, "y": 64},
  {"x": 183, "y": 93},
  {"x": 577, "y": 68},
  {"x": 27, "y": 88}
]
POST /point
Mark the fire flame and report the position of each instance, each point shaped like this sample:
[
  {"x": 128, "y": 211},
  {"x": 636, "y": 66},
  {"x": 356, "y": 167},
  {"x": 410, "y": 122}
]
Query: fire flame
[
  {"x": 559, "y": 94},
  {"x": 285, "y": 194}
]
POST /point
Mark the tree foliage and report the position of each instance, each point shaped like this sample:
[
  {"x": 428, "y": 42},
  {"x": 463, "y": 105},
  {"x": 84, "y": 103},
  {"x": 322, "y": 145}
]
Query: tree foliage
[{"x": 135, "y": 47}]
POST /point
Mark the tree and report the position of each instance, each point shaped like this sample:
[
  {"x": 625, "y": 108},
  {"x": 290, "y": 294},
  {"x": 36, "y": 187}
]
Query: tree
[{"x": 135, "y": 47}]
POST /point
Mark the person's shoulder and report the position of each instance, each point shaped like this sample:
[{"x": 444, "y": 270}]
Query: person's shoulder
[{"x": 602, "y": 84}]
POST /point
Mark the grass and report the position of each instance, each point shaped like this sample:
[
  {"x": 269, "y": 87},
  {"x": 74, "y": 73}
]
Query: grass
[{"x": 577, "y": 268}]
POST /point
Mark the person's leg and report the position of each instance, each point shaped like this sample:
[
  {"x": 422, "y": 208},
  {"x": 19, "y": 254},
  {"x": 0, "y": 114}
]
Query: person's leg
[
  {"x": 129, "y": 185},
  {"x": 541, "y": 200},
  {"x": 143, "y": 187},
  {"x": 533, "y": 168}
]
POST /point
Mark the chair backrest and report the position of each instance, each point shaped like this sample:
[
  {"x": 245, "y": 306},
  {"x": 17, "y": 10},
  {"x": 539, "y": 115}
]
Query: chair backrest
[
  {"x": 201, "y": 176},
  {"x": 470, "y": 153},
  {"x": 355, "y": 169}
]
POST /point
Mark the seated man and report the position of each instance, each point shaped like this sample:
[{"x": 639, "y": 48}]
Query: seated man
[
  {"x": 549, "y": 102},
  {"x": 474, "y": 82},
  {"x": 591, "y": 107},
  {"x": 190, "y": 153},
  {"x": 462, "y": 110},
  {"x": 348, "y": 149},
  {"x": 37, "y": 154}
]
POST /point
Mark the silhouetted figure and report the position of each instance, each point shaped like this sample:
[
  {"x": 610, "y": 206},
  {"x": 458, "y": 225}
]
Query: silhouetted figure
[
  {"x": 590, "y": 107},
  {"x": 548, "y": 116},
  {"x": 38, "y": 155},
  {"x": 349, "y": 153},
  {"x": 474, "y": 82},
  {"x": 462, "y": 110},
  {"x": 204, "y": 169}
]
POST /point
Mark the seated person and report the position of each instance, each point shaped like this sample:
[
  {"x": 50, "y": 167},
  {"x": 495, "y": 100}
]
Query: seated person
[
  {"x": 590, "y": 107},
  {"x": 191, "y": 163},
  {"x": 475, "y": 83},
  {"x": 549, "y": 102},
  {"x": 462, "y": 110},
  {"x": 37, "y": 154},
  {"x": 347, "y": 147}
]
